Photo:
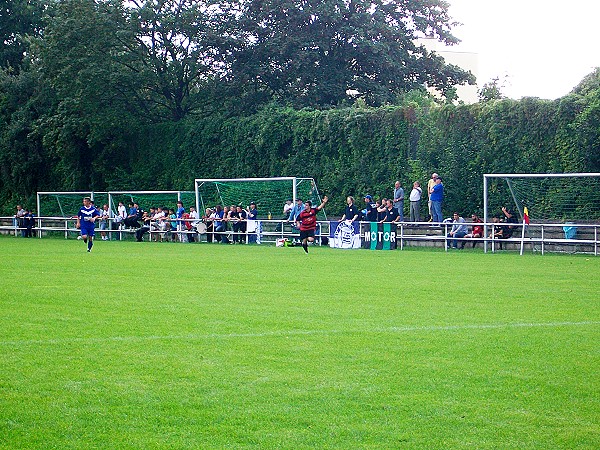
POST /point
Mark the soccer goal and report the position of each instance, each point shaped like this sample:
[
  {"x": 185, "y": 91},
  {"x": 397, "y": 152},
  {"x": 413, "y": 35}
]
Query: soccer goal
[
  {"x": 550, "y": 198},
  {"x": 270, "y": 194}
]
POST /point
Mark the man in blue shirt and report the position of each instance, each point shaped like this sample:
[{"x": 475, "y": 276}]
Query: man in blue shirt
[
  {"x": 86, "y": 219},
  {"x": 437, "y": 197}
]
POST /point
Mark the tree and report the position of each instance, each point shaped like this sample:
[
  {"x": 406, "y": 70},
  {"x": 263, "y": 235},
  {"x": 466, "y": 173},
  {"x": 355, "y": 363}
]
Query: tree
[
  {"x": 19, "y": 19},
  {"x": 492, "y": 90},
  {"x": 311, "y": 52}
]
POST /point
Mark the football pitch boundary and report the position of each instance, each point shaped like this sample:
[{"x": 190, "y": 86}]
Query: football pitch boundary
[{"x": 405, "y": 329}]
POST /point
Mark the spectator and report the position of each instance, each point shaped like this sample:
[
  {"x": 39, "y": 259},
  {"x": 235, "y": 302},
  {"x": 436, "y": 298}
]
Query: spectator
[
  {"x": 476, "y": 230},
  {"x": 391, "y": 213},
  {"x": 287, "y": 208},
  {"x": 18, "y": 220},
  {"x": 221, "y": 224},
  {"x": 381, "y": 209},
  {"x": 351, "y": 213},
  {"x": 145, "y": 228},
  {"x": 296, "y": 210},
  {"x": 371, "y": 209},
  {"x": 458, "y": 231},
  {"x": 430, "y": 185},
  {"x": 252, "y": 224},
  {"x": 180, "y": 224},
  {"x": 28, "y": 223},
  {"x": 193, "y": 224},
  {"x": 437, "y": 197},
  {"x": 511, "y": 220},
  {"x": 399, "y": 200},
  {"x": 209, "y": 219},
  {"x": 239, "y": 225},
  {"x": 172, "y": 224},
  {"x": 120, "y": 217},
  {"x": 131, "y": 220},
  {"x": 104, "y": 221},
  {"x": 415, "y": 202}
]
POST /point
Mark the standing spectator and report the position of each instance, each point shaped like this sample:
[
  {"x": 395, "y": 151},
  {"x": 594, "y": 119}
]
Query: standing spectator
[
  {"x": 430, "y": 185},
  {"x": 381, "y": 209},
  {"x": 192, "y": 223},
  {"x": 253, "y": 226},
  {"x": 371, "y": 209},
  {"x": 179, "y": 212},
  {"x": 18, "y": 220},
  {"x": 415, "y": 202},
  {"x": 239, "y": 226},
  {"x": 351, "y": 213},
  {"x": 28, "y": 223},
  {"x": 458, "y": 230},
  {"x": 437, "y": 197},
  {"x": 399, "y": 200},
  {"x": 104, "y": 221},
  {"x": 86, "y": 218},
  {"x": 308, "y": 222}
]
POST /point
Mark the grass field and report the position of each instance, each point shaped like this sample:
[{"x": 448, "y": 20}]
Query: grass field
[{"x": 205, "y": 346}]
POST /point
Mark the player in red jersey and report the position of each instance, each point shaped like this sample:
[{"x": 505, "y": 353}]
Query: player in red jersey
[{"x": 308, "y": 222}]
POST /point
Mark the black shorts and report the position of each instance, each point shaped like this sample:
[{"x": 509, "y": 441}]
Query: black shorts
[{"x": 307, "y": 233}]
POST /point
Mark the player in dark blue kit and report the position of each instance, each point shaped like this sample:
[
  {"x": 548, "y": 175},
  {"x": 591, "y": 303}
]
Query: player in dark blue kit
[{"x": 86, "y": 222}]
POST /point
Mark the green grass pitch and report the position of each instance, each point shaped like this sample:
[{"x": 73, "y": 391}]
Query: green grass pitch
[{"x": 150, "y": 345}]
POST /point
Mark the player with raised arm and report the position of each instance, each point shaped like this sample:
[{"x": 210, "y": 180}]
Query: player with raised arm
[
  {"x": 308, "y": 222},
  {"x": 86, "y": 222}
]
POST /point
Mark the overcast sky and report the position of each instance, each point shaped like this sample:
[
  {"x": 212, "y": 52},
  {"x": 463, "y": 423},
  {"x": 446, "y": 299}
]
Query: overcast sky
[{"x": 545, "y": 47}]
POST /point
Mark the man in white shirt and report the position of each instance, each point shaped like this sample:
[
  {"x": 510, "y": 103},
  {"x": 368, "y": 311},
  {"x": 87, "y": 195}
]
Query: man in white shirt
[{"x": 415, "y": 202}]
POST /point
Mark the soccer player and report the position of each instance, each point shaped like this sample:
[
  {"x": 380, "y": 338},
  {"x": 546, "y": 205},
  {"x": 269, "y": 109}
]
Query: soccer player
[
  {"x": 308, "y": 222},
  {"x": 86, "y": 219}
]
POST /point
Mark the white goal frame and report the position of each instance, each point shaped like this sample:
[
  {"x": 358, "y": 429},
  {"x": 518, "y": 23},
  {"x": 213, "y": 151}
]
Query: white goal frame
[
  {"x": 487, "y": 176},
  {"x": 198, "y": 182}
]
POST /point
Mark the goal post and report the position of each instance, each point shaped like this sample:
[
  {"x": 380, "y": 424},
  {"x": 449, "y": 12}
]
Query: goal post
[{"x": 269, "y": 194}]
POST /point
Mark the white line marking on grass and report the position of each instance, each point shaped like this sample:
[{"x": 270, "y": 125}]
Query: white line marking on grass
[{"x": 290, "y": 333}]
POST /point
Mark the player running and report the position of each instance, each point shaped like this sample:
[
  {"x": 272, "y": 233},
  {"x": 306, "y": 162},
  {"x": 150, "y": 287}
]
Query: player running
[
  {"x": 308, "y": 222},
  {"x": 86, "y": 222}
]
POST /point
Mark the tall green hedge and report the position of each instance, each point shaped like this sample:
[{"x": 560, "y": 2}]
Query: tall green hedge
[{"x": 350, "y": 151}]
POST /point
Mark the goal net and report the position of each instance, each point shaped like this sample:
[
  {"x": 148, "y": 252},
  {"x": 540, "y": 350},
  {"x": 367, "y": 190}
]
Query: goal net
[
  {"x": 549, "y": 198},
  {"x": 150, "y": 199},
  {"x": 66, "y": 204},
  {"x": 269, "y": 194}
]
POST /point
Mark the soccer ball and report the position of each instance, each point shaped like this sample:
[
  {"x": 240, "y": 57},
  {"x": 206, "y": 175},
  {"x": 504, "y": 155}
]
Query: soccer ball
[{"x": 79, "y": 238}]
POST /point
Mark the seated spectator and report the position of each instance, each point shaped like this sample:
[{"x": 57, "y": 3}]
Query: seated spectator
[
  {"x": 287, "y": 208},
  {"x": 131, "y": 220},
  {"x": 458, "y": 230},
  {"x": 172, "y": 224},
  {"x": 391, "y": 213},
  {"x": 476, "y": 230},
  {"x": 145, "y": 228}
]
